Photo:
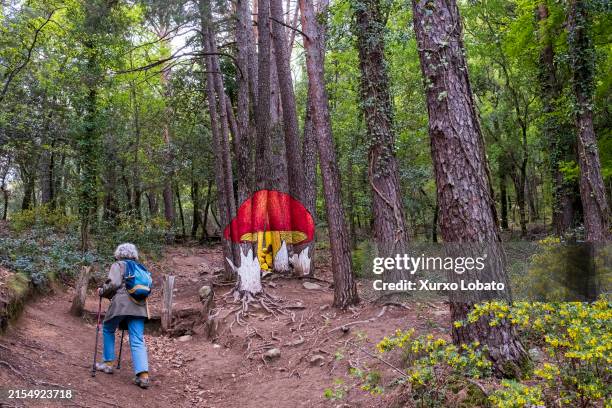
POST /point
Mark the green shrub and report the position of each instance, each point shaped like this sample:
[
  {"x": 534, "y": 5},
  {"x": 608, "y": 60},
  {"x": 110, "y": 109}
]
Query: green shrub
[
  {"x": 362, "y": 259},
  {"x": 516, "y": 395},
  {"x": 576, "y": 337},
  {"x": 436, "y": 370},
  {"x": 42, "y": 216},
  {"x": 147, "y": 236},
  {"x": 42, "y": 254},
  {"x": 576, "y": 370}
]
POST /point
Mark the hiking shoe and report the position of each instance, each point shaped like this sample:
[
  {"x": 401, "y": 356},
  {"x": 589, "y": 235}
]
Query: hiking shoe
[
  {"x": 108, "y": 369},
  {"x": 142, "y": 382}
]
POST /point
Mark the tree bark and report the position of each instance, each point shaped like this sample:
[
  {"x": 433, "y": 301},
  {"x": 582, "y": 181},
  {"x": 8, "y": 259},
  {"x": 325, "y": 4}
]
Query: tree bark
[
  {"x": 464, "y": 195},
  {"x": 80, "y": 291},
  {"x": 242, "y": 139},
  {"x": 167, "y": 192},
  {"x": 29, "y": 184},
  {"x": 205, "y": 213},
  {"x": 582, "y": 60},
  {"x": 553, "y": 130},
  {"x": 195, "y": 200},
  {"x": 223, "y": 174},
  {"x": 309, "y": 157},
  {"x": 295, "y": 170},
  {"x": 180, "y": 207},
  {"x": 262, "y": 144},
  {"x": 504, "y": 201},
  {"x": 389, "y": 223},
  {"x": 152, "y": 203},
  {"x": 345, "y": 289},
  {"x": 47, "y": 159},
  {"x": 137, "y": 195}
]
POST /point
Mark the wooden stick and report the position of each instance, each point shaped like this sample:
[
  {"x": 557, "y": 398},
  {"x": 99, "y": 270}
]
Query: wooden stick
[
  {"x": 167, "y": 295},
  {"x": 78, "y": 302}
]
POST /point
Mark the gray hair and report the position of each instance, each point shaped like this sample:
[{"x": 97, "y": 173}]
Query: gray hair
[{"x": 126, "y": 251}]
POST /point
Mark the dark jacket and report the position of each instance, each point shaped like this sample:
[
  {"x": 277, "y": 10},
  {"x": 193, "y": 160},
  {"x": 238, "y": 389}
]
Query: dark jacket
[{"x": 122, "y": 304}]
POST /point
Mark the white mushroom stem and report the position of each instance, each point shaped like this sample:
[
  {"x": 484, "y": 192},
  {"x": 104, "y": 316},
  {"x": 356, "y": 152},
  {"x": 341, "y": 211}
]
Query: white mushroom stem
[
  {"x": 249, "y": 275},
  {"x": 301, "y": 262},
  {"x": 281, "y": 260}
]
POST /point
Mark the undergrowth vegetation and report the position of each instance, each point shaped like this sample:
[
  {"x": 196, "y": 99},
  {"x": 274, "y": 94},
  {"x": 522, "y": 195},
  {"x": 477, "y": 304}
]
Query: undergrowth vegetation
[
  {"x": 570, "y": 344},
  {"x": 44, "y": 244}
]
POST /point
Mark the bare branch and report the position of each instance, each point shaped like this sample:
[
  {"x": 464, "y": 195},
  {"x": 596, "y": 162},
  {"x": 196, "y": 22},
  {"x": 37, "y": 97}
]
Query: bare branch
[{"x": 290, "y": 27}]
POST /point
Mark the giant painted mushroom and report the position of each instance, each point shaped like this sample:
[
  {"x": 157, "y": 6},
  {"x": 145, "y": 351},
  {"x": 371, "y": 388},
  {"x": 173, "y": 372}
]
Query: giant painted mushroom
[{"x": 272, "y": 219}]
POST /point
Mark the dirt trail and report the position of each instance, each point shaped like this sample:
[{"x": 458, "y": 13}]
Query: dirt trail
[{"x": 48, "y": 348}]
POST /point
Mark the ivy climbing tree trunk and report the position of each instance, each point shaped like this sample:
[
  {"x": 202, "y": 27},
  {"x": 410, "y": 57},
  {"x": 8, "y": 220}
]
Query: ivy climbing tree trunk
[
  {"x": 582, "y": 58},
  {"x": 387, "y": 206},
  {"x": 461, "y": 171},
  {"x": 554, "y": 132},
  {"x": 345, "y": 289}
]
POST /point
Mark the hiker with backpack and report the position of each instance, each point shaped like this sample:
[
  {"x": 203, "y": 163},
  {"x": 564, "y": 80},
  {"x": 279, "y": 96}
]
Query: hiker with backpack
[{"x": 128, "y": 285}]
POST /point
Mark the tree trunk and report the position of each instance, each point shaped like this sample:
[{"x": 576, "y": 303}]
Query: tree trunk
[
  {"x": 80, "y": 291},
  {"x": 167, "y": 302},
  {"x": 531, "y": 193},
  {"x": 5, "y": 196},
  {"x": 434, "y": 224},
  {"x": 195, "y": 200},
  {"x": 137, "y": 195},
  {"x": 389, "y": 225},
  {"x": 180, "y": 206},
  {"x": 504, "y": 201},
  {"x": 205, "y": 214},
  {"x": 262, "y": 144},
  {"x": 464, "y": 195},
  {"x": 223, "y": 174},
  {"x": 519, "y": 190},
  {"x": 224, "y": 136},
  {"x": 350, "y": 202},
  {"x": 345, "y": 289},
  {"x": 46, "y": 176},
  {"x": 152, "y": 202},
  {"x": 282, "y": 53},
  {"x": 242, "y": 140},
  {"x": 554, "y": 130},
  {"x": 167, "y": 193},
  {"x": 28, "y": 192},
  {"x": 582, "y": 59}
]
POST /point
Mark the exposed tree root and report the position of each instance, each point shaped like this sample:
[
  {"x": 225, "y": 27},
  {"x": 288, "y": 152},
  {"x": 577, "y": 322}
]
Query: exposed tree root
[{"x": 272, "y": 305}]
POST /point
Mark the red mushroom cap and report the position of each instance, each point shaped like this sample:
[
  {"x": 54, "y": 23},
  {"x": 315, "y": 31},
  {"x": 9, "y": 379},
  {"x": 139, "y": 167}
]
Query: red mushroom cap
[{"x": 270, "y": 210}]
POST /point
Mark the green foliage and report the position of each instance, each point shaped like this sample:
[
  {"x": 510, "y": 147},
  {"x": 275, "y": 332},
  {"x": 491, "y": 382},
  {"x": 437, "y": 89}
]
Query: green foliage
[
  {"x": 337, "y": 392},
  {"x": 577, "y": 339},
  {"x": 555, "y": 272},
  {"x": 576, "y": 370},
  {"x": 42, "y": 255},
  {"x": 370, "y": 380},
  {"x": 42, "y": 217},
  {"x": 435, "y": 369},
  {"x": 516, "y": 395},
  {"x": 570, "y": 170},
  {"x": 362, "y": 258},
  {"x": 147, "y": 236}
]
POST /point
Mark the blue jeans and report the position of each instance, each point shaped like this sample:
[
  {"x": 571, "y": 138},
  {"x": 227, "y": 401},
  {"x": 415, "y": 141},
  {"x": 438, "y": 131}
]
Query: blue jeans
[{"x": 137, "y": 344}]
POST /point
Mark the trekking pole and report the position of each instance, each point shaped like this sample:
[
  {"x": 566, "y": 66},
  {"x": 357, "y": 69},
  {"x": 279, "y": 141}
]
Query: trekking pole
[
  {"x": 120, "y": 349},
  {"x": 93, "y": 367}
]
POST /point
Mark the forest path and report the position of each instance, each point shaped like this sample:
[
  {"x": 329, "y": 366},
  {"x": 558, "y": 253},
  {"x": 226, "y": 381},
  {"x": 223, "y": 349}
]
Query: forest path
[{"x": 49, "y": 348}]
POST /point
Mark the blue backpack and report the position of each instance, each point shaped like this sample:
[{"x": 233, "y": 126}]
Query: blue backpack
[{"x": 138, "y": 282}]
